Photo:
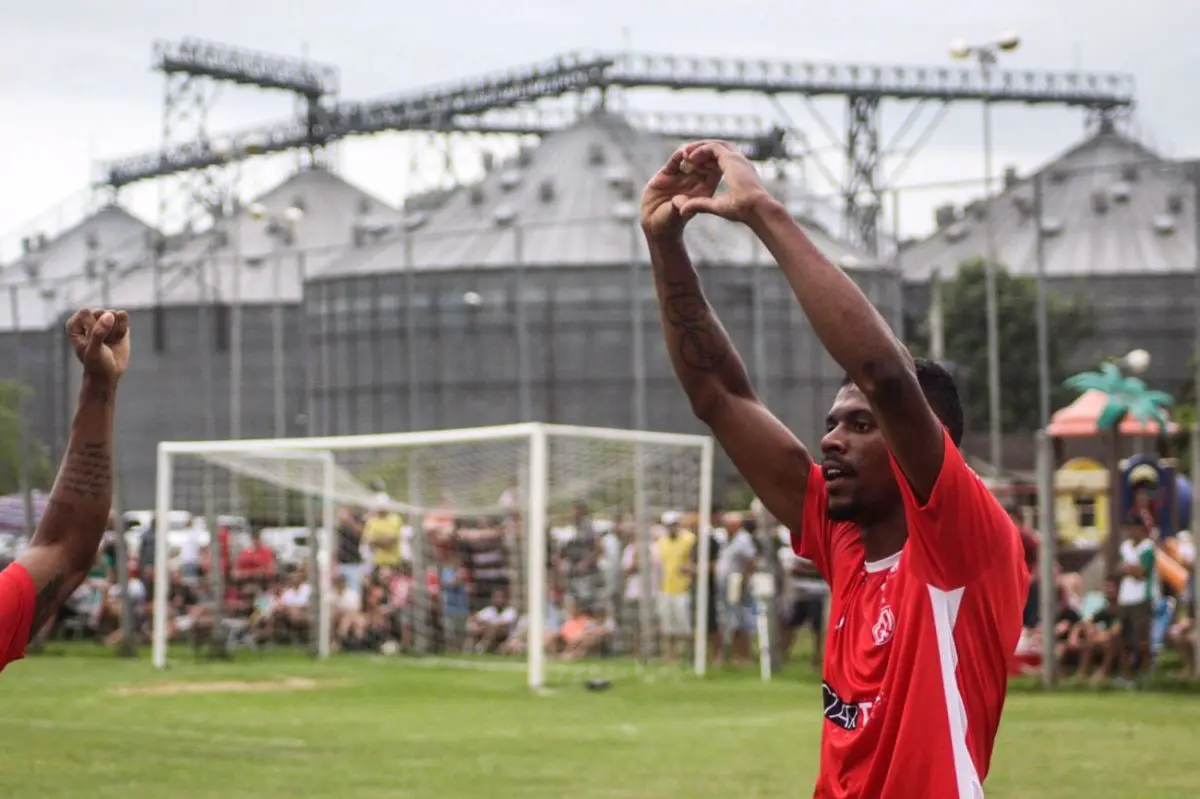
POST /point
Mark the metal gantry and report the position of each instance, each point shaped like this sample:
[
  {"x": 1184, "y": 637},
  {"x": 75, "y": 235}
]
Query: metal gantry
[
  {"x": 194, "y": 73},
  {"x": 506, "y": 103}
]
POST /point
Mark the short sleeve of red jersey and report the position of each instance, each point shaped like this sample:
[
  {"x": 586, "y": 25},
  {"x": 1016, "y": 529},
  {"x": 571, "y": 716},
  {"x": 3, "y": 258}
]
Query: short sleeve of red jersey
[
  {"x": 962, "y": 529},
  {"x": 17, "y": 598},
  {"x": 813, "y": 541}
]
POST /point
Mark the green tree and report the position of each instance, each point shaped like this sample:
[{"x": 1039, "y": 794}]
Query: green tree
[
  {"x": 41, "y": 475},
  {"x": 964, "y": 309}
]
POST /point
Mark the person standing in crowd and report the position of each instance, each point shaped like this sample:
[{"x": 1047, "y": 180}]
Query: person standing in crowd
[
  {"x": 1135, "y": 598},
  {"x": 456, "y": 601},
  {"x": 580, "y": 556},
  {"x": 631, "y": 568},
  {"x": 734, "y": 568},
  {"x": 349, "y": 548},
  {"x": 675, "y": 552},
  {"x": 383, "y": 533}
]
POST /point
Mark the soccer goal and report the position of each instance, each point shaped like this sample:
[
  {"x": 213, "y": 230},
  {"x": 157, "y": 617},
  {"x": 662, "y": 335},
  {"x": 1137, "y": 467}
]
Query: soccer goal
[{"x": 528, "y": 543}]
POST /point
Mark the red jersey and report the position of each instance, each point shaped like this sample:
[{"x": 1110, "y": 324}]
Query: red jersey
[
  {"x": 17, "y": 599},
  {"x": 918, "y": 647},
  {"x": 258, "y": 560}
]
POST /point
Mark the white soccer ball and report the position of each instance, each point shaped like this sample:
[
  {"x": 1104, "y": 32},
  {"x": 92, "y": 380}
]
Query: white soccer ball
[
  {"x": 389, "y": 648},
  {"x": 1138, "y": 361}
]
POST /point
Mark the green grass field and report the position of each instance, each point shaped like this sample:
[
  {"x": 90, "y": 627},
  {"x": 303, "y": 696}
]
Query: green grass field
[{"x": 88, "y": 725}]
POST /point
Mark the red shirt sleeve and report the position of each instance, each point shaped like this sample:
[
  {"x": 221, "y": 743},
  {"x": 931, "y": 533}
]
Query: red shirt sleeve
[
  {"x": 17, "y": 598},
  {"x": 962, "y": 529},
  {"x": 813, "y": 541}
]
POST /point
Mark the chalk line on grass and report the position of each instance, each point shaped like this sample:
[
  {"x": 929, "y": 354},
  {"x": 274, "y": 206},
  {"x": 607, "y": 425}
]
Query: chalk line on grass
[
  {"x": 178, "y": 733},
  {"x": 226, "y": 687}
]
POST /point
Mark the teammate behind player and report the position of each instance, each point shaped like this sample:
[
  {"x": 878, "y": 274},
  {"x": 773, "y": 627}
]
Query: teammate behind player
[
  {"x": 924, "y": 565},
  {"x": 68, "y": 536}
]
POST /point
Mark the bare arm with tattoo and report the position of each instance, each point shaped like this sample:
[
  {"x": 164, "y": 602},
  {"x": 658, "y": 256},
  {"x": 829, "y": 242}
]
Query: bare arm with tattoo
[
  {"x": 64, "y": 547},
  {"x": 768, "y": 455}
]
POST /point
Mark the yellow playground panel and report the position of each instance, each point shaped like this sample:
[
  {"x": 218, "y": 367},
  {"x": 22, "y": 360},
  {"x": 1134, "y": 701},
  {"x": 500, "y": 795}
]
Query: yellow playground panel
[{"x": 1081, "y": 497}]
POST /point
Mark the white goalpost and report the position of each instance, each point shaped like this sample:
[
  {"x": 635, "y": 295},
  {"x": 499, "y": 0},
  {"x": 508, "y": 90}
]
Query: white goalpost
[{"x": 532, "y": 541}]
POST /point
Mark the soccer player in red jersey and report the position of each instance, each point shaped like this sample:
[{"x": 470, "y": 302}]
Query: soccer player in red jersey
[
  {"x": 68, "y": 536},
  {"x": 924, "y": 565}
]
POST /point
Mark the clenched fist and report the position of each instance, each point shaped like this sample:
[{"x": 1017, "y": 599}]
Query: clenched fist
[{"x": 101, "y": 342}]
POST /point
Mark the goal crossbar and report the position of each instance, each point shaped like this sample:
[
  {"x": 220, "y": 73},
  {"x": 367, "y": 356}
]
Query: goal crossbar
[{"x": 424, "y": 438}]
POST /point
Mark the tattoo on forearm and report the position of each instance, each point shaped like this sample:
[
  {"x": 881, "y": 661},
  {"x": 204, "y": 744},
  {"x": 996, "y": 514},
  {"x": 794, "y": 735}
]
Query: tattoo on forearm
[
  {"x": 46, "y": 604},
  {"x": 701, "y": 343},
  {"x": 87, "y": 472},
  {"x": 98, "y": 394}
]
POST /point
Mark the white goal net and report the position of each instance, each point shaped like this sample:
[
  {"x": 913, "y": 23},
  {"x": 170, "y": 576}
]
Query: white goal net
[{"x": 532, "y": 542}]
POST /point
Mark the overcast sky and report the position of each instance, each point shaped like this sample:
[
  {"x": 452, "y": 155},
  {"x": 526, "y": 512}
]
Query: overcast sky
[{"x": 77, "y": 86}]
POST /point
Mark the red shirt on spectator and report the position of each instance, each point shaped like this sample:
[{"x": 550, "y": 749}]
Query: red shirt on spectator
[
  {"x": 17, "y": 599},
  {"x": 256, "y": 561}
]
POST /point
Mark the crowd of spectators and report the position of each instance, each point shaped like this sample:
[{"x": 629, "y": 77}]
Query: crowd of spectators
[
  {"x": 1119, "y": 632},
  {"x": 469, "y": 597}
]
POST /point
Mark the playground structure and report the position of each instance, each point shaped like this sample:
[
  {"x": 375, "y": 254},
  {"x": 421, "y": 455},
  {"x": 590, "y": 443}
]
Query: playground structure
[
  {"x": 1085, "y": 509},
  {"x": 1114, "y": 407},
  {"x": 1084, "y": 502}
]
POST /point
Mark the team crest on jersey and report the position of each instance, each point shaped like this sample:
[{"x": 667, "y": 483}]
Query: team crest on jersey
[{"x": 883, "y": 628}]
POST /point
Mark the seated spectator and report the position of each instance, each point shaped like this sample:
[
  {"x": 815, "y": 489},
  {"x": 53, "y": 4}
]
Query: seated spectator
[
  {"x": 490, "y": 627},
  {"x": 266, "y": 616},
  {"x": 349, "y": 622},
  {"x": 1099, "y": 633},
  {"x": 1067, "y": 623},
  {"x": 184, "y": 608},
  {"x": 378, "y": 614},
  {"x": 588, "y": 633},
  {"x": 294, "y": 609},
  {"x": 255, "y": 565},
  {"x": 1182, "y": 638},
  {"x": 111, "y": 610},
  {"x": 515, "y": 645}
]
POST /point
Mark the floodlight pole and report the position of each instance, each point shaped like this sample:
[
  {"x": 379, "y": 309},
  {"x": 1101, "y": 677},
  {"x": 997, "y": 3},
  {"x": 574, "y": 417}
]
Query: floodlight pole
[
  {"x": 987, "y": 59},
  {"x": 987, "y": 56}
]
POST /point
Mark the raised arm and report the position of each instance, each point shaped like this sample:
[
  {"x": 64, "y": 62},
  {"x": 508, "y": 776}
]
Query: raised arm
[
  {"x": 64, "y": 546},
  {"x": 848, "y": 325},
  {"x": 769, "y": 457}
]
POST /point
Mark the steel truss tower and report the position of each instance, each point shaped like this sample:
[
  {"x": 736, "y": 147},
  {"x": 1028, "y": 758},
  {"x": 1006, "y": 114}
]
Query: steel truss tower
[
  {"x": 195, "y": 72},
  {"x": 505, "y": 103}
]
